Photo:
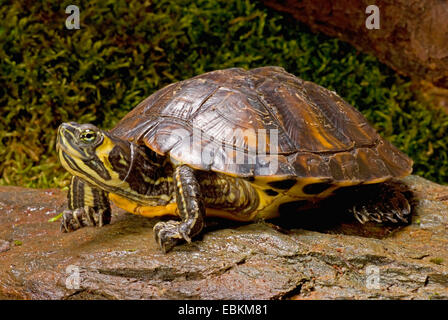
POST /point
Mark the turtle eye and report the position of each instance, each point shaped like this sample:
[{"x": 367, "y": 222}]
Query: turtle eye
[{"x": 87, "y": 136}]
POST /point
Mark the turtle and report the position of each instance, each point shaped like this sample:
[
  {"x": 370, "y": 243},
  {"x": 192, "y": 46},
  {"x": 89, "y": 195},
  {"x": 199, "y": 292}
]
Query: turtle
[{"x": 237, "y": 144}]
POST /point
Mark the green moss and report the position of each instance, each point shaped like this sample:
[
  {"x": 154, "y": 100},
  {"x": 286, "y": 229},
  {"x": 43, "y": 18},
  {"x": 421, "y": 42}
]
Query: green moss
[
  {"x": 436, "y": 260},
  {"x": 434, "y": 296},
  {"x": 17, "y": 242},
  {"x": 126, "y": 50}
]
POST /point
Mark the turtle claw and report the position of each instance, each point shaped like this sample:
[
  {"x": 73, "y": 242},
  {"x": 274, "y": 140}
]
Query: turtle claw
[
  {"x": 361, "y": 215},
  {"x": 391, "y": 216},
  {"x": 71, "y": 220},
  {"x": 75, "y": 219},
  {"x": 393, "y": 207},
  {"x": 170, "y": 233},
  {"x": 364, "y": 215}
]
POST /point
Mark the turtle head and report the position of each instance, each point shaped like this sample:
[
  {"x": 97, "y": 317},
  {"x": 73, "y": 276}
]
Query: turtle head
[
  {"x": 79, "y": 141},
  {"x": 85, "y": 151}
]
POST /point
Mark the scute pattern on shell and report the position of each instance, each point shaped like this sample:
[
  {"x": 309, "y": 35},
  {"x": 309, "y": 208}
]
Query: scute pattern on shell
[{"x": 319, "y": 134}]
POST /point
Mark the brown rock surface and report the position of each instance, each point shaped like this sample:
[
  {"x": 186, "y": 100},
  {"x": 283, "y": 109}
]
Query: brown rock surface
[
  {"x": 231, "y": 261},
  {"x": 412, "y": 39}
]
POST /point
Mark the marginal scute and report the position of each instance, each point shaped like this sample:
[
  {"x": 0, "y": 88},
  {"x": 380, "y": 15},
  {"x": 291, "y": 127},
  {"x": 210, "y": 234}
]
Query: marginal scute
[
  {"x": 371, "y": 166},
  {"x": 271, "y": 165},
  {"x": 344, "y": 167},
  {"x": 213, "y": 120},
  {"x": 398, "y": 164},
  {"x": 310, "y": 165}
]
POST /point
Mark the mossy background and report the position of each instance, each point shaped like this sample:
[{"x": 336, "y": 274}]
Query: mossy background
[{"x": 126, "y": 50}]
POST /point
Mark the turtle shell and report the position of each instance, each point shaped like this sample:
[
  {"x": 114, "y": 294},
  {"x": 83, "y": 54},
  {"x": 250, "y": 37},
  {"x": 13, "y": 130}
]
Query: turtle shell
[{"x": 213, "y": 122}]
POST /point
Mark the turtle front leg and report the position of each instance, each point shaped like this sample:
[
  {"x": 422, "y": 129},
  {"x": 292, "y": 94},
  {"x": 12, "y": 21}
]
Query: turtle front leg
[
  {"x": 87, "y": 206},
  {"x": 191, "y": 210}
]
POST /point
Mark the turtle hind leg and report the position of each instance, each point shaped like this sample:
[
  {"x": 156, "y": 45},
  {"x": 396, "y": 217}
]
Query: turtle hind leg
[{"x": 386, "y": 202}]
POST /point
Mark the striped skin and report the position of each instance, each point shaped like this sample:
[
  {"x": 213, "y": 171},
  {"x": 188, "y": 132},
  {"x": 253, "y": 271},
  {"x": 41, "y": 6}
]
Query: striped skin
[
  {"x": 142, "y": 182},
  {"x": 138, "y": 179},
  {"x": 83, "y": 195},
  {"x": 116, "y": 166}
]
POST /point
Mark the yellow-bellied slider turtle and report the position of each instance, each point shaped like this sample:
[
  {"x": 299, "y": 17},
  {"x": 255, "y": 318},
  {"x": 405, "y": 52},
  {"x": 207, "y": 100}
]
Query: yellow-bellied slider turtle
[{"x": 230, "y": 143}]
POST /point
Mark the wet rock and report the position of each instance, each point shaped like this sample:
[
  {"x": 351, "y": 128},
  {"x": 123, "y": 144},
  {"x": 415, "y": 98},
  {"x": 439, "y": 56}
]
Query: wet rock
[{"x": 277, "y": 260}]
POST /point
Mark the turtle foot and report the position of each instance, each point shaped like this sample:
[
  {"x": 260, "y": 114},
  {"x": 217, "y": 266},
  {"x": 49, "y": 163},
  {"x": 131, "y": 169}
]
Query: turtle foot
[
  {"x": 170, "y": 233},
  {"x": 75, "y": 219},
  {"x": 382, "y": 203}
]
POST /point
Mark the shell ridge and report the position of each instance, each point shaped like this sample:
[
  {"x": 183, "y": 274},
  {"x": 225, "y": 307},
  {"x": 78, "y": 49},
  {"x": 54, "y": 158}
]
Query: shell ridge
[{"x": 201, "y": 105}]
